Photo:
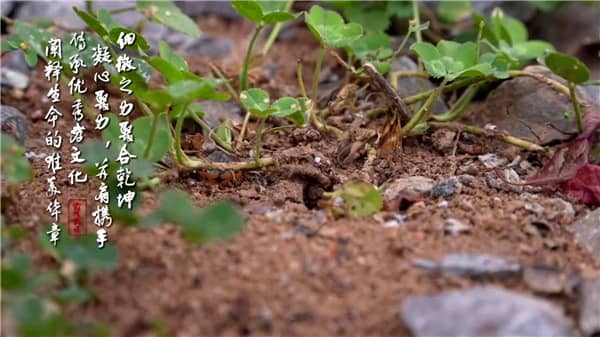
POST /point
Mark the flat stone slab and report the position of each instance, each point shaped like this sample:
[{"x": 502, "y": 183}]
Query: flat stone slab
[
  {"x": 587, "y": 232},
  {"x": 483, "y": 311}
]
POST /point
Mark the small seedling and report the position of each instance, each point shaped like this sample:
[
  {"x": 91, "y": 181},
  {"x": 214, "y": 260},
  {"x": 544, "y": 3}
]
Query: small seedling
[
  {"x": 332, "y": 32},
  {"x": 574, "y": 72},
  {"x": 360, "y": 199},
  {"x": 257, "y": 102}
]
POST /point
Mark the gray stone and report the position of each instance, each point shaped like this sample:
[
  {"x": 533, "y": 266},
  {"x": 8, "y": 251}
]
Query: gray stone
[
  {"x": 447, "y": 187},
  {"x": 217, "y": 112},
  {"x": 526, "y": 108},
  {"x": 494, "y": 181},
  {"x": 491, "y": 160},
  {"x": 483, "y": 311},
  {"x": 414, "y": 186},
  {"x": 15, "y": 60},
  {"x": 455, "y": 227},
  {"x": 17, "y": 119},
  {"x": 211, "y": 46},
  {"x": 202, "y": 8},
  {"x": 408, "y": 86},
  {"x": 589, "y": 307},
  {"x": 6, "y": 7},
  {"x": 550, "y": 280},
  {"x": 59, "y": 11},
  {"x": 587, "y": 232},
  {"x": 13, "y": 79},
  {"x": 474, "y": 265}
]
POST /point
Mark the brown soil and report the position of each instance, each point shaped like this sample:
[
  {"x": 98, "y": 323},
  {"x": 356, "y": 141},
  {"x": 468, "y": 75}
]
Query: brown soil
[{"x": 277, "y": 277}]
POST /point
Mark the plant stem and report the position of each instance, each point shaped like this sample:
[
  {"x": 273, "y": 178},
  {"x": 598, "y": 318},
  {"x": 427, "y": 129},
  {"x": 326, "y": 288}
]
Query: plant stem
[
  {"x": 450, "y": 87},
  {"x": 89, "y": 6},
  {"x": 244, "y": 79},
  {"x": 180, "y": 157},
  {"x": 234, "y": 166},
  {"x": 300, "y": 80},
  {"x": 122, "y": 10},
  {"x": 258, "y": 141},
  {"x": 576, "y": 107},
  {"x": 243, "y": 129},
  {"x": 228, "y": 86},
  {"x": 227, "y": 147},
  {"x": 423, "y": 112},
  {"x": 244, "y": 73},
  {"x": 460, "y": 106},
  {"x": 279, "y": 128},
  {"x": 153, "y": 128},
  {"x": 315, "y": 79},
  {"x": 417, "y": 20},
  {"x": 488, "y": 133},
  {"x": 403, "y": 43},
  {"x": 554, "y": 84},
  {"x": 275, "y": 31}
]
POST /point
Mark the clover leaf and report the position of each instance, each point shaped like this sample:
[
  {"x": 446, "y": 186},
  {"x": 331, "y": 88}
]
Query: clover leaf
[
  {"x": 217, "y": 221},
  {"x": 567, "y": 67},
  {"x": 361, "y": 199},
  {"x": 256, "y": 101},
  {"x": 262, "y": 12},
  {"x": 201, "y": 89},
  {"x": 82, "y": 251},
  {"x": 330, "y": 29},
  {"x": 452, "y": 60},
  {"x": 141, "y": 135},
  {"x": 508, "y": 36},
  {"x": 291, "y": 108},
  {"x": 454, "y": 11},
  {"x": 168, "y": 14}
]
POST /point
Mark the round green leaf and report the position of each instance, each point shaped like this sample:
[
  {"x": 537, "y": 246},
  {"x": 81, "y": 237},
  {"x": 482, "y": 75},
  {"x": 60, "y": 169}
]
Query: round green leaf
[
  {"x": 251, "y": 10},
  {"x": 285, "y": 106},
  {"x": 330, "y": 29},
  {"x": 168, "y": 14},
  {"x": 141, "y": 136},
  {"x": 567, "y": 67},
  {"x": 256, "y": 101}
]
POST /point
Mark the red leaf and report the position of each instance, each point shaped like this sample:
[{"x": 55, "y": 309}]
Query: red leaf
[{"x": 585, "y": 186}]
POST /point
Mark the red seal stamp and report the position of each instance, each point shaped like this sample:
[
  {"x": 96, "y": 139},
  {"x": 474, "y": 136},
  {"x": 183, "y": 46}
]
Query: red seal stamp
[{"x": 77, "y": 211}]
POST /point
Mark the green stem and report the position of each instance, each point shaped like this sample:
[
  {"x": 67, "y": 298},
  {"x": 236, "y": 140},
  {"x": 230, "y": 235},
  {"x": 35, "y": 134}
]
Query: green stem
[
  {"x": 180, "y": 157},
  {"x": 122, "y": 10},
  {"x": 280, "y": 128},
  {"x": 228, "y": 86},
  {"x": 153, "y": 129},
  {"x": 403, "y": 43},
  {"x": 315, "y": 79},
  {"x": 244, "y": 73},
  {"x": 300, "y": 80},
  {"x": 576, "y": 107},
  {"x": 258, "y": 141},
  {"x": 89, "y": 6},
  {"x": 450, "y": 87},
  {"x": 460, "y": 106},
  {"x": 226, "y": 146},
  {"x": 275, "y": 31},
  {"x": 488, "y": 133},
  {"x": 554, "y": 84},
  {"x": 244, "y": 80},
  {"x": 423, "y": 113},
  {"x": 243, "y": 129}
]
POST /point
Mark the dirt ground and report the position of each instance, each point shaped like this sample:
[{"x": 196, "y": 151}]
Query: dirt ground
[{"x": 294, "y": 270}]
